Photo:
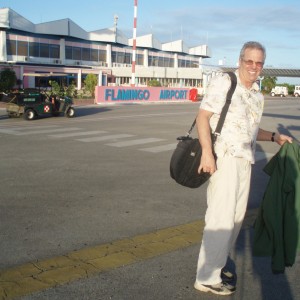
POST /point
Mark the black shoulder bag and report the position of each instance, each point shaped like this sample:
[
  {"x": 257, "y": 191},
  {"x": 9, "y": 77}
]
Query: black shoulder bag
[{"x": 186, "y": 157}]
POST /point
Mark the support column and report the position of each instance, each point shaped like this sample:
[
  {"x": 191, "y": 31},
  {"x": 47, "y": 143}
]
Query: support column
[
  {"x": 108, "y": 56},
  {"x": 146, "y": 58},
  {"x": 22, "y": 76},
  {"x": 175, "y": 60},
  {"x": 100, "y": 78},
  {"x": 79, "y": 79},
  {"x": 3, "y": 52},
  {"x": 62, "y": 51}
]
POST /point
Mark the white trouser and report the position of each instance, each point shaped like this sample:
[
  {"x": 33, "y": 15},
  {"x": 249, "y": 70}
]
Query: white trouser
[{"x": 227, "y": 197}]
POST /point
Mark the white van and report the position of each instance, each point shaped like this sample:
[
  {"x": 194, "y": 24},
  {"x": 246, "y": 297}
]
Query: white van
[
  {"x": 281, "y": 91},
  {"x": 297, "y": 91}
]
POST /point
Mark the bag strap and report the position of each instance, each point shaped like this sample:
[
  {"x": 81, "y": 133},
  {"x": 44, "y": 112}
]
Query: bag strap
[
  {"x": 227, "y": 103},
  {"x": 193, "y": 125},
  {"x": 225, "y": 107}
]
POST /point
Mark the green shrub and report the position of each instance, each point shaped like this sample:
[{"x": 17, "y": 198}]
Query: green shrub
[
  {"x": 8, "y": 79},
  {"x": 90, "y": 83},
  {"x": 154, "y": 82}
]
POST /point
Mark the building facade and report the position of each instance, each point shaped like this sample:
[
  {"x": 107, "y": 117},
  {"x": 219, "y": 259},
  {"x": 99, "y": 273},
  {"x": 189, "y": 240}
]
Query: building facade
[{"x": 63, "y": 50}]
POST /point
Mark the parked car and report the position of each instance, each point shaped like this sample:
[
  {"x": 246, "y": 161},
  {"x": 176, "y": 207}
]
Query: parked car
[
  {"x": 297, "y": 91},
  {"x": 36, "y": 104},
  {"x": 281, "y": 91}
]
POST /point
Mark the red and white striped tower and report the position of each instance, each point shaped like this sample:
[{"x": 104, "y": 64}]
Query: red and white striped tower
[{"x": 134, "y": 43}]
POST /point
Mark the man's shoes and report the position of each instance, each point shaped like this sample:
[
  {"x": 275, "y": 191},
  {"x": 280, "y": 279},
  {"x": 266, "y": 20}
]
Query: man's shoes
[
  {"x": 227, "y": 276},
  {"x": 222, "y": 288}
]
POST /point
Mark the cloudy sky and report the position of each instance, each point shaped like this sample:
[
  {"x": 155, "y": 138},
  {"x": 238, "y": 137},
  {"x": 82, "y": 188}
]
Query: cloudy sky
[{"x": 223, "y": 25}]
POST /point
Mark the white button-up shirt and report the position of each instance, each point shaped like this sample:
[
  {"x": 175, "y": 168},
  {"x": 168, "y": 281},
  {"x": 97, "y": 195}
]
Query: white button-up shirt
[{"x": 239, "y": 132}]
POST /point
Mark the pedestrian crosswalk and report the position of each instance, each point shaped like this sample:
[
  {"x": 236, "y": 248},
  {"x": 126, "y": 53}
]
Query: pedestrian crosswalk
[{"x": 117, "y": 140}]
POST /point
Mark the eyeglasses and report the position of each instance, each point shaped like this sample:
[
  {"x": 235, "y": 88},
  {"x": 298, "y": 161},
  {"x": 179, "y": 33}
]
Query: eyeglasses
[{"x": 250, "y": 62}]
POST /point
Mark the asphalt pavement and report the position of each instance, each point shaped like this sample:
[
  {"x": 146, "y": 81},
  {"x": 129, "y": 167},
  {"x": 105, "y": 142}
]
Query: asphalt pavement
[{"x": 89, "y": 211}]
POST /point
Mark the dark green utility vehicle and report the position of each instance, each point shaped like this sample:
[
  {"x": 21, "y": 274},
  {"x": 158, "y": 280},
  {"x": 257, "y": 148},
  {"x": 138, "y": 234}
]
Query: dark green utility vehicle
[{"x": 35, "y": 104}]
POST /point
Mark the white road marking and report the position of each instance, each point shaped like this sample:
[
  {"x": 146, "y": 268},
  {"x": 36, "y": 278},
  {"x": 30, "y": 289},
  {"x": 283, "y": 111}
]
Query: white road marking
[
  {"x": 162, "y": 148},
  {"x": 32, "y": 132},
  {"x": 104, "y": 138},
  {"x": 134, "y": 142},
  {"x": 72, "y": 134},
  {"x": 30, "y": 127},
  {"x": 8, "y": 131},
  {"x": 16, "y": 130}
]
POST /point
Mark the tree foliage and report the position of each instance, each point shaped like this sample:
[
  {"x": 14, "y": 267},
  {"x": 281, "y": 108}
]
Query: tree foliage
[
  {"x": 8, "y": 80},
  {"x": 69, "y": 91},
  {"x": 90, "y": 83},
  {"x": 55, "y": 88},
  {"x": 268, "y": 83},
  {"x": 290, "y": 87},
  {"x": 154, "y": 82}
]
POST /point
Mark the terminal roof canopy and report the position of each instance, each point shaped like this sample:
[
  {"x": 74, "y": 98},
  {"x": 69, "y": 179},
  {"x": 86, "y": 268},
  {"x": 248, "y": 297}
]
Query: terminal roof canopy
[
  {"x": 61, "y": 27},
  {"x": 175, "y": 46},
  {"x": 109, "y": 35},
  {"x": 147, "y": 41},
  {"x": 202, "y": 50},
  {"x": 9, "y": 19}
]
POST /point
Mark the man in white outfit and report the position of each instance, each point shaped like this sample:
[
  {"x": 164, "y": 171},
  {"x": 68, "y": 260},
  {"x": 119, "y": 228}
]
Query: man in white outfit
[{"x": 228, "y": 189}]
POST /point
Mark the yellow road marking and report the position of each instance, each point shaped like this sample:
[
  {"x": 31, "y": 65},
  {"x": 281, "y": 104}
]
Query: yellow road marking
[
  {"x": 37, "y": 276},
  {"x": 41, "y": 275}
]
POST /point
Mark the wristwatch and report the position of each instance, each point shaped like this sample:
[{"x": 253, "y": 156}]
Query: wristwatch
[{"x": 272, "y": 137}]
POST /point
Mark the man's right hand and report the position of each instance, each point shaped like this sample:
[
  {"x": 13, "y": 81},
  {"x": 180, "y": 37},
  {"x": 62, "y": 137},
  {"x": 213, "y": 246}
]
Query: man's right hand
[{"x": 207, "y": 163}]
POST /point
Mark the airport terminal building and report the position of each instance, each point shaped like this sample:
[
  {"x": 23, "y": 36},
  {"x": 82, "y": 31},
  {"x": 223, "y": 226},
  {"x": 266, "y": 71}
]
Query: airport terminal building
[{"x": 61, "y": 48}]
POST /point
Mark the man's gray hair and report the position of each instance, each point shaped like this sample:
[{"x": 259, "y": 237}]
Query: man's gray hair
[{"x": 253, "y": 45}]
